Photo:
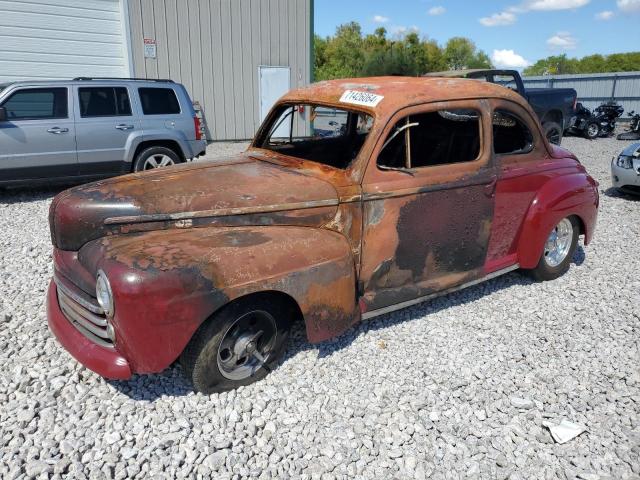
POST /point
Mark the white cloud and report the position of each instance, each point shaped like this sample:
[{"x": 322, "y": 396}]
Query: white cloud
[
  {"x": 436, "y": 11},
  {"x": 562, "y": 41},
  {"x": 380, "y": 19},
  {"x": 606, "y": 15},
  {"x": 629, "y": 6},
  {"x": 401, "y": 30},
  {"x": 555, "y": 4},
  {"x": 508, "y": 59},
  {"x": 498, "y": 19}
]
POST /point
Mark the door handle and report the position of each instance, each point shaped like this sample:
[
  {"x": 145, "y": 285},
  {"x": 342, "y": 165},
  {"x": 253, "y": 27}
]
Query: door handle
[
  {"x": 122, "y": 126},
  {"x": 490, "y": 188},
  {"x": 57, "y": 130}
]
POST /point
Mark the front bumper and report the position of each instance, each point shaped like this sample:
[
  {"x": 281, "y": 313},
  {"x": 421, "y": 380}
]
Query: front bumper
[
  {"x": 626, "y": 178},
  {"x": 106, "y": 362}
]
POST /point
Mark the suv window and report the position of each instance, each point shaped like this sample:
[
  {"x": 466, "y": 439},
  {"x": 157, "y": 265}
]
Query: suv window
[
  {"x": 510, "y": 134},
  {"x": 434, "y": 138},
  {"x": 37, "y": 104},
  {"x": 159, "y": 101},
  {"x": 104, "y": 102}
]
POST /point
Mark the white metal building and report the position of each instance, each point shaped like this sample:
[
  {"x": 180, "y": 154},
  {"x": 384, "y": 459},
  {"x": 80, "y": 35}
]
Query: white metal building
[{"x": 234, "y": 56}]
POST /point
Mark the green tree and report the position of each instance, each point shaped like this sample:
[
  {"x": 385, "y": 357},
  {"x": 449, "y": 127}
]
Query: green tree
[
  {"x": 561, "y": 64},
  {"x": 461, "y": 53}
]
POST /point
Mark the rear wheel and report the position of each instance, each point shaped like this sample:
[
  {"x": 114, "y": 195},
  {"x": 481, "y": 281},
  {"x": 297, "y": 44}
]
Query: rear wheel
[
  {"x": 239, "y": 345},
  {"x": 592, "y": 131},
  {"x": 558, "y": 250},
  {"x": 553, "y": 132},
  {"x": 155, "y": 157}
]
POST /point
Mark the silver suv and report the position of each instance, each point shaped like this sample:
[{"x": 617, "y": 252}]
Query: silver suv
[{"x": 91, "y": 128}]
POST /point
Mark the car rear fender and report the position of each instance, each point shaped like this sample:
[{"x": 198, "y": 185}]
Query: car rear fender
[
  {"x": 166, "y": 283},
  {"x": 560, "y": 197}
]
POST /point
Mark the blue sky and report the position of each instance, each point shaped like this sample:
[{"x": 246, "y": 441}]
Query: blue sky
[{"x": 514, "y": 33}]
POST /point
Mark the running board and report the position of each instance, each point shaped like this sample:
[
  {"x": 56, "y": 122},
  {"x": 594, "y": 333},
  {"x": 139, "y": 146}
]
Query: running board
[{"x": 415, "y": 301}]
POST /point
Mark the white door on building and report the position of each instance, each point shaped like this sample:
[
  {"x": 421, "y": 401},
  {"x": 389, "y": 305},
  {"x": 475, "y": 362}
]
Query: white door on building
[
  {"x": 274, "y": 82},
  {"x": 61, "y": 39}
]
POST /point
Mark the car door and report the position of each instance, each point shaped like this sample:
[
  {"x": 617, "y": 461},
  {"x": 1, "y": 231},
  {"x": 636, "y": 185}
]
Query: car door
[
  {"x": 522, "y": 165},
  {"x": 38, "y": 139},
  {"x": 105, "y": 124},
  {"x": 428, "y": 203}
]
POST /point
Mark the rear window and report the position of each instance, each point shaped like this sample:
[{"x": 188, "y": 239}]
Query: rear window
[
  {"x": 159, "y": 101},
  {"x": 104, "y": 102}
]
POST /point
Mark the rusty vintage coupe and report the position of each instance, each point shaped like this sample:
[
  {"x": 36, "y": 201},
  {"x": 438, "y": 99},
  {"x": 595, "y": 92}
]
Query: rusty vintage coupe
[{"x": 356, "y": 198}]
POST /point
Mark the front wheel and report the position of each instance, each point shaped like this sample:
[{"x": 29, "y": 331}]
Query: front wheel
[
  {"x": 558, "y": 250},
  {"x": 553, "y": 132},
  {"x": 239, "y": 345},
  {"x": 155, "y": 157},
  {"x": 592, "y": 131}
]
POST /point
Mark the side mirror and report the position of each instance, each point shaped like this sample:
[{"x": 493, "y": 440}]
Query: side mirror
[{"x": 3, "y": 114}]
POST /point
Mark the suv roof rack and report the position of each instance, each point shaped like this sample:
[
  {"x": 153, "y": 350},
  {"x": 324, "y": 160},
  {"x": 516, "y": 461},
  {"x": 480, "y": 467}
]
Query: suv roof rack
[{"x": 125, "y": 78}]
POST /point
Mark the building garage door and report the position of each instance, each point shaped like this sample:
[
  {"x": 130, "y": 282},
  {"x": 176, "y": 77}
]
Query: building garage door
[{"x": 62, "y": 39}]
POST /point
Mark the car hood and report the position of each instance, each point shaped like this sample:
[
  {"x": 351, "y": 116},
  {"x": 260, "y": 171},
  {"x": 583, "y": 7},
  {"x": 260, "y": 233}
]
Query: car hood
[{"x": 239, "y": 190}]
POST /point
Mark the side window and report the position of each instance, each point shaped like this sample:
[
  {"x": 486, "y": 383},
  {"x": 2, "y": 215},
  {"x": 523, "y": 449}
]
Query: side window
[
  {"x": 37, "y": 104},
  {"x": 510, "y": 134},
  {"x": 434, "y": 138},
  {"x": 104, "y": 102},
  {"x": 159, "y": 101}
]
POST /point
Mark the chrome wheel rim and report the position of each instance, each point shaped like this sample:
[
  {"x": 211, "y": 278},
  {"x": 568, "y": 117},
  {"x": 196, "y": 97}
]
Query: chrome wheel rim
[
  {"x": 592, "y": 130},
  {"x": 157, "y": 161},
  {"x": 558, "y": 243},
  {"x": 247, "y": 345}
]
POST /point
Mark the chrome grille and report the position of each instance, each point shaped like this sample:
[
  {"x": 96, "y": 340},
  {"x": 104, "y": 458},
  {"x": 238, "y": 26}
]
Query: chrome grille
[{"x": 84, "y": 314}]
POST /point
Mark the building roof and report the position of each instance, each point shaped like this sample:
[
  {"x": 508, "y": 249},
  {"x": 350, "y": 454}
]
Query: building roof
[{"x": 398, "y": 92}]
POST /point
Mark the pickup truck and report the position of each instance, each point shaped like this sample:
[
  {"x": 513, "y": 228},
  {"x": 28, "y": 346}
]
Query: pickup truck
[
  {"x": 425, "y": 186},
  {"x": 554, "y": 106}
]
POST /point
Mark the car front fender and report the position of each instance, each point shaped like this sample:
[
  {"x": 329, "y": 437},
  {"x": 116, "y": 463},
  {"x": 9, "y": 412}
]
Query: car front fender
[
  {"x": 166, "y": 283},
  {"x": 563, "y": 196}
]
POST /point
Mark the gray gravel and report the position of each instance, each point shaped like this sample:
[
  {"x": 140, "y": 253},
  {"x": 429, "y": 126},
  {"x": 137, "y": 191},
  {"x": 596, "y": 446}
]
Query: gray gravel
[{"x": 457, "y": 388}]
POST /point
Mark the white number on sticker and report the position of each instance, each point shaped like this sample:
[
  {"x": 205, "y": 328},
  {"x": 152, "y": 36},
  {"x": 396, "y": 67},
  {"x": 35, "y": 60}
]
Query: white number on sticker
[{"x": 361, "y": 98}]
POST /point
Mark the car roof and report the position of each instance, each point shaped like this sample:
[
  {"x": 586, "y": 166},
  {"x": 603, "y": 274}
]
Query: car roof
[
  {"x": 467, "y": 72},
  {"x": 86, "y": 81},
  {"x": 399, "y": 92}
]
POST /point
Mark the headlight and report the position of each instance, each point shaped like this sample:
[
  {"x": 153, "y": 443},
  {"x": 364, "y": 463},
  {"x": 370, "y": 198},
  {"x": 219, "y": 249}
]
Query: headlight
[
  {"x": 624, "y": 162},
  {"x": 104, "y": 294}
]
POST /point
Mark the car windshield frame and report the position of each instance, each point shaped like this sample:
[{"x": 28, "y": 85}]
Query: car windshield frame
[{"x": 265, "y": 131}]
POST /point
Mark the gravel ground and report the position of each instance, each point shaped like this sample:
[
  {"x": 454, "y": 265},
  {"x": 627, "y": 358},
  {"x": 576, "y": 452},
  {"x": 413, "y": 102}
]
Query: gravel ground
[{"x": 456, "y": 388}]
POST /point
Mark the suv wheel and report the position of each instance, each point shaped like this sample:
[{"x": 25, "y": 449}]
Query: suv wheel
[{"x": 155, "y": 157}]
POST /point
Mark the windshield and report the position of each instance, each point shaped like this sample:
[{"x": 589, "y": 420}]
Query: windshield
[{"x": 326, "y": 135}]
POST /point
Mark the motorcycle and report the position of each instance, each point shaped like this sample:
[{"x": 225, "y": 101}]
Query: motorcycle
[
  {"x": 600, "y": 123},
  {"x": 633, "y": 133}
]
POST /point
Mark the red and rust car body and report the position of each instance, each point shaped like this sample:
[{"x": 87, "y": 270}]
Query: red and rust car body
[{"x": 178, "y": 244}]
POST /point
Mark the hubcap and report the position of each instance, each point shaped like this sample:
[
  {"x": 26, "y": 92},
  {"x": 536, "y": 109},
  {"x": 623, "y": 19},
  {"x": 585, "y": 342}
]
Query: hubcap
[
  {"x": 559, "y": 243},
  {"x": 157, "y": 161},
  {"x": 592, "y": 130},
  {"x": 247, "y": 345}
]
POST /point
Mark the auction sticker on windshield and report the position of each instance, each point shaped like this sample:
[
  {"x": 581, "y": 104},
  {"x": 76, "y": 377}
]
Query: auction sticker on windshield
[{"x": 361, "y": 98}]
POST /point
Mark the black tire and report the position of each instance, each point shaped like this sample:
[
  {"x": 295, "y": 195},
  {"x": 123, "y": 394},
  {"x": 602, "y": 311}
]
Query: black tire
[
  {"x": 200, "y": 358},
  {"x": 141, "y": 161},
  {"x": 543, "y": 271},
  {"x": 629, "y": 136},
  {"x": 553, "y": 132},
  {"x": 592, "y": 131}
]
